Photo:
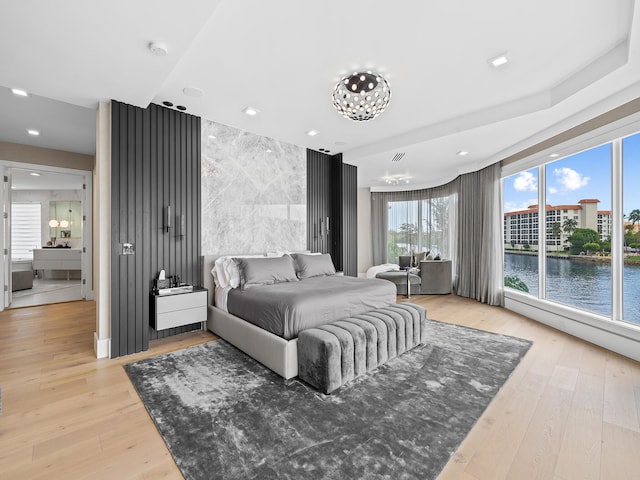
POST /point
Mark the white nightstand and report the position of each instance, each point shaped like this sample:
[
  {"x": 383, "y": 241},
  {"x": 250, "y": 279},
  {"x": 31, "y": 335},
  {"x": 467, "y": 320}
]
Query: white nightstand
[{"x": 169, "y": 311}]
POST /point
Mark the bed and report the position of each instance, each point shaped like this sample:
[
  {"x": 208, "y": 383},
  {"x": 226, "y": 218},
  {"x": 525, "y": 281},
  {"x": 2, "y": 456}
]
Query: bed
[{"x": 316, "y": 301}]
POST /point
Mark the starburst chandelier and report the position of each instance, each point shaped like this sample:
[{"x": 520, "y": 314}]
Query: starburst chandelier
[{"x": 361, "y": 96}]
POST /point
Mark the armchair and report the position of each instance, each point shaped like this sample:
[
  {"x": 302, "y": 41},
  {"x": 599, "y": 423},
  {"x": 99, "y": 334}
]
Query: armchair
[{"x": 436, "y": 277}]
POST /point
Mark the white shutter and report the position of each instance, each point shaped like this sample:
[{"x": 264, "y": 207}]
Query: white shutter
[{"x": 26, "y": 225}]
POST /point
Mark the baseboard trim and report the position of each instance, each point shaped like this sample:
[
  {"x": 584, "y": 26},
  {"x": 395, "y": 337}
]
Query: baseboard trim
[
  {"x": 619, "y": 342},
  {"x": 102, "y": 347}
]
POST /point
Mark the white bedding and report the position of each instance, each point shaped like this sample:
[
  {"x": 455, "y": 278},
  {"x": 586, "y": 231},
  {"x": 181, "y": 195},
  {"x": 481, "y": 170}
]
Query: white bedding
[
  {"x": 385, "y": 267},
  {"x": 220, "y": 295}
]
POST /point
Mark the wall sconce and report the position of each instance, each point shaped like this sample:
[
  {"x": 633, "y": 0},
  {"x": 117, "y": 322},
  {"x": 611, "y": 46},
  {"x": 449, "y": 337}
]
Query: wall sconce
[
  {"x": 324, "y": 227},
  {"x": 167, "y": 218},
  {"x": 183, "y": 226}
]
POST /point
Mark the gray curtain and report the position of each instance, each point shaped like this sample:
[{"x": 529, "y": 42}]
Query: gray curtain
[
  {"x": 379, "y": 227},
  {"x": 479, "y": 270},
  {"x": 471, "y": 236}
]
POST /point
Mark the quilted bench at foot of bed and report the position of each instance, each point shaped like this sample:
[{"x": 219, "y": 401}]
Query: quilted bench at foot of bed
[{"x": 331, "y": 355}]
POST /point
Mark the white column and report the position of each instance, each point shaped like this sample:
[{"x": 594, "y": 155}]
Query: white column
[
  {"x": 102, "y": 229},
  {"x": 542, "y": 232},
  {"x": 617, "y": 230}
]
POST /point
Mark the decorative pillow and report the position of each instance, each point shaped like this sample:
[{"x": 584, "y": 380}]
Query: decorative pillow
[
  {"x": 265, "y": 271},
  {"x": 219, "y": 274},
  {"x": 308, "y": 266}
]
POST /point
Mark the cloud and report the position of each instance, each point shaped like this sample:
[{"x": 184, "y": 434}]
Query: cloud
[
  {"x": 515, "y": 206},
  {"x": 570, "y": 179},
  {"x": 553, "y": 190},
  {"x": 525, "y": 182}
]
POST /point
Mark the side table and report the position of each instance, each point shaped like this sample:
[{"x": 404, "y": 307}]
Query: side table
[{"x": 169, "y": 311}]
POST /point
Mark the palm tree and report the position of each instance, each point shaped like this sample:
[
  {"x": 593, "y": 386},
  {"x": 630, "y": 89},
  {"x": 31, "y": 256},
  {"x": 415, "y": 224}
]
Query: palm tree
[
  {"x": 556, "y": 230},
  {"x": 569, "y": 226},
  {"x": 634, "y": 217}
]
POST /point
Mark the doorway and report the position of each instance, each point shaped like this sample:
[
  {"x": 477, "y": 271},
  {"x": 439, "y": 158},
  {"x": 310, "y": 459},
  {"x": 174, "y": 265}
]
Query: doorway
[{"x": 47, "y": 230}]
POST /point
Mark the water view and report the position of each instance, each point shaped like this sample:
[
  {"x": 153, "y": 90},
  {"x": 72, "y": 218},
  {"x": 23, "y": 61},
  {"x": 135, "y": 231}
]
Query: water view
[{"x": 584, "y": 285}]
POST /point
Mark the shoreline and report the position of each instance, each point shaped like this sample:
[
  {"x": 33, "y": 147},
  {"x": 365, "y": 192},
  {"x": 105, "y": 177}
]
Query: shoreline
[{"x": 578, "y": 258}]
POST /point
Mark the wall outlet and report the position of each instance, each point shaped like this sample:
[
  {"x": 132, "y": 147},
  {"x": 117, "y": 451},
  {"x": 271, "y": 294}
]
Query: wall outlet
[{"x": 128, "y": 249}]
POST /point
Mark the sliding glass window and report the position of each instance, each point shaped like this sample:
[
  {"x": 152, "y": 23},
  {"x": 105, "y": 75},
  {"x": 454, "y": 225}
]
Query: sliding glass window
[
  {"x": 403, "y": 227},
  {"x": 631, "y": 209},
  {"x": 420, "y": 225},
  {"x": 574, "y": 233},
  {"x": 521, "y": 231},
  {"x": 578, "y": 230}
]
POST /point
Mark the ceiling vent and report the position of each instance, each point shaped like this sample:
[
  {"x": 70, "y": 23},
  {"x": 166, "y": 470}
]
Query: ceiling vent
[{"x": 397, "y": 157}]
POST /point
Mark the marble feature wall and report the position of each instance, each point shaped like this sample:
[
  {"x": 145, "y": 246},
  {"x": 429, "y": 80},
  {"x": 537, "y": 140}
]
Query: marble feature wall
[{"x": 254, "y": 192}]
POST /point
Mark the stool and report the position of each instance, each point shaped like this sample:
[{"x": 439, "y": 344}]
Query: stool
[
  {"x": 331, "y": 355},
  {"x": 21, "y": 280},
  {"x": 400, "y": 280}
]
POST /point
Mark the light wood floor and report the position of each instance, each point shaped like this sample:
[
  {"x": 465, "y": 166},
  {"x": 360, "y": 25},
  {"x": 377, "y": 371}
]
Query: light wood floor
[{"x": 570, "y": 410}]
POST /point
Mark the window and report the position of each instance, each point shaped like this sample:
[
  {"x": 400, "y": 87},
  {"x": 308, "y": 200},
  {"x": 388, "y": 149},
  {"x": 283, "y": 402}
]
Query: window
[
  {"x": 631, "y": 209},
  {"x": 520, "y": 259},
  {"x": 419, "y": 226},
  {"x": 583, "y": 180},
  {"x": 402, "y": 229},
  {"x": 26, "y": 227},
  {"x": 581, "y": 267}
]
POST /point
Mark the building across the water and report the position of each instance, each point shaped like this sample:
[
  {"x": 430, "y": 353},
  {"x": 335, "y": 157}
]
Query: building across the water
[{"x": 521, "y": 227}]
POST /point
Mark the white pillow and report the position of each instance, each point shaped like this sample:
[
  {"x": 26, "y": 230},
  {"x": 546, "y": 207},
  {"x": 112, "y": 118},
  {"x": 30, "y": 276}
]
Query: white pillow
[
  {"x": 225, "y": 271},
  {"x": 219, "y": 274}
]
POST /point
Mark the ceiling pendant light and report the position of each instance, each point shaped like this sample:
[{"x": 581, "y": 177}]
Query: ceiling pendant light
[{"x": 361, "y": 96}]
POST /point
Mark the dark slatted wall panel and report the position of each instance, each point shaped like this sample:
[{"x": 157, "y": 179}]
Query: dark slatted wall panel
[
  {"x": 155, "y": 163},
  {"x": 335, "y": 193},
  {"x": 332, "y": 193},
  {"x": 350, "y": 220},
  {"x": 319, "y": 181}
]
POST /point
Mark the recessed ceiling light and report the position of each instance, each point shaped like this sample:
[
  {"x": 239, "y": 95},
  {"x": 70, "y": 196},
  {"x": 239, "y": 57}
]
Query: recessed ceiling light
[
  {"x": 269, "y": 150},
  {"x": 312, "y": 133},
  {"x": 19, "y": 93},
  {"x": 252, "y": 112},
  {"x": 500, "y": 60},
  {"x": 34, "y": 174},
  {"x": 462, "y": 153},
  {"x": 193, "y": 92},
  {"x": 212, "y": 137},
  {"x": 554, "y": 155},
  {"x": 33, "y": 132},
  {"x": 158, "y": 49},
  {"x": 182, "y": 108},
  {"x": 166, "y": 103}
]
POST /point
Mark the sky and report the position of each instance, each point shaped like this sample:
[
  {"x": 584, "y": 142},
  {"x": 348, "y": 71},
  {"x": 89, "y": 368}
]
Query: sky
[{"x": 580, "y": 176}]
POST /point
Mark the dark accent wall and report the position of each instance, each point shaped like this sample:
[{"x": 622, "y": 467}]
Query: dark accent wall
[
  {"x": 349, "y": 232},
  {"x": 319, "y": 185},
  {"x": 155, "y": 163},
  {"x": 332, "y": 194}
]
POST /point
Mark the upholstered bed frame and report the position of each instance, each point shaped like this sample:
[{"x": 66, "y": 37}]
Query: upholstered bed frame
[{"x": 278, "y": 354}]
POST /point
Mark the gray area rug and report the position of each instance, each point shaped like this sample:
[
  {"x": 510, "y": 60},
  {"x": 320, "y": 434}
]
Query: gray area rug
[{"x": 223, "y": 415}]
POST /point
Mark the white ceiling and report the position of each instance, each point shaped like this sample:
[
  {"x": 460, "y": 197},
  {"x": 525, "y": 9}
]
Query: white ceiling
[{"x": 569, "y": 61}]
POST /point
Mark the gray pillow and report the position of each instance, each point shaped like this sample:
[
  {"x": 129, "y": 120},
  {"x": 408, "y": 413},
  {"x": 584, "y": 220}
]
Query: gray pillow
[
  {"x": 308, "y": 266},
  {"x": 265, "y": 271}
]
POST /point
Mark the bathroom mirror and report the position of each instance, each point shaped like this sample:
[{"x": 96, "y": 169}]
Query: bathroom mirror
[{"x": 65, "y": 219}]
